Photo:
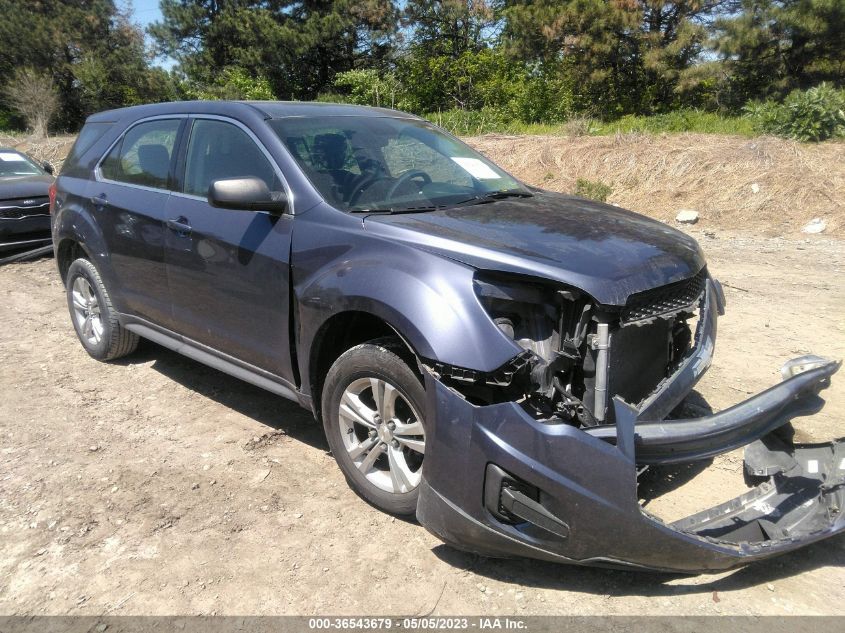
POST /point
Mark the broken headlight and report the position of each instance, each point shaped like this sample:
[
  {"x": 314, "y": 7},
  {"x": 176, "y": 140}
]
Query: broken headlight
[
  {"x": 525, "y": 311},
  {"x": 551, "y": 323}
]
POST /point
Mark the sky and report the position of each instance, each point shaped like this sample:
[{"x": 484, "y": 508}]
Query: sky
[{"x": 145, "y": 12}]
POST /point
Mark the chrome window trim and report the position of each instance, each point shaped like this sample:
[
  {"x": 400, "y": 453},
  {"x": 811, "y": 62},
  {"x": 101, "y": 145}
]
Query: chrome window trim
[{"x": 98, "y": 175}]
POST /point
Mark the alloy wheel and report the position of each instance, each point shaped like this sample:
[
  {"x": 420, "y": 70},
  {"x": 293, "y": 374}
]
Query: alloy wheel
[
  {"x": 86, "y": 311},
  {"x": 383, "y": 434}
]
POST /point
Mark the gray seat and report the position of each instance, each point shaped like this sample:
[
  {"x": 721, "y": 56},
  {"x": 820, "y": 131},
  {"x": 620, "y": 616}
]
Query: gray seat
[{"x": 154, "y": 160}]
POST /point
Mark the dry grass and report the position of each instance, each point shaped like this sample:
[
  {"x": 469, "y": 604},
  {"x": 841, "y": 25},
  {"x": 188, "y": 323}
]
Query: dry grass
[
  {"x": 53, "y": 150},
  {"x": 712, "y": 174}
]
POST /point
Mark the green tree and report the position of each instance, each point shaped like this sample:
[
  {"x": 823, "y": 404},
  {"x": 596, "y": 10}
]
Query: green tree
[
  {"x": 772, "y": 47},
  {"x": 450, "y": 27},
  {"x": 624, "y": 55},
  {"x": 449, "y": 62},
  {"x": 299, "y": 46},
  {"x": 93, "y": 53}
]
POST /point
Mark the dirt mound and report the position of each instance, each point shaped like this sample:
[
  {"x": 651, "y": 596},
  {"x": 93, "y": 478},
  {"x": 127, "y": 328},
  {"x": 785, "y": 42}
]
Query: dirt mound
[
  {"x": 53, "y": 150},
  {"x": 763, "y": 185}
]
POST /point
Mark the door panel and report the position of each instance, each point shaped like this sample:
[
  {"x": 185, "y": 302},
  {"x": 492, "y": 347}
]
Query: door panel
[
  {"x": 129, "y": 203},
  {"x": 133, "y": 228},
  {"x": 228, "y": 271}
]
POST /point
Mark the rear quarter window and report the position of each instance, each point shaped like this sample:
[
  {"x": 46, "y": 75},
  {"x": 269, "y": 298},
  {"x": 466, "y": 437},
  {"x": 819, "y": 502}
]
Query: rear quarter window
[{"x": 88, "y": 135}]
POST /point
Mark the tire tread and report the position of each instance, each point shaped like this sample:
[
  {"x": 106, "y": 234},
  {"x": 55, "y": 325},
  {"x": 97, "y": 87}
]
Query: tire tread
[
  {"x": 379, "y": 355},
  {"x": 121, "y": 342}
]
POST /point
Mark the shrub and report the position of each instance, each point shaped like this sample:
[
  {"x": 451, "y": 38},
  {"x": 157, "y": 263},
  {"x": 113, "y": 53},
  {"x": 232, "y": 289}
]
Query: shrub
[
  {"x": 815, "y": 115},
  {"x": 595, "y": 190},
  {"x": 234, "y": 83},
  {"x": 369, "y": 87},
  {"x": 10, "y": 120},
  {"x": 34, "y": 95},
  {"x": 580, "y": 126}
]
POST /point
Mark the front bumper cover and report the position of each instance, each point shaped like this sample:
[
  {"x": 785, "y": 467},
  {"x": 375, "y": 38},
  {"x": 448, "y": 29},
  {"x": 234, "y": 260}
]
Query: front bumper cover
[
  {"x": 500, "y": 483},
  {"x": 17, "y": 234}
]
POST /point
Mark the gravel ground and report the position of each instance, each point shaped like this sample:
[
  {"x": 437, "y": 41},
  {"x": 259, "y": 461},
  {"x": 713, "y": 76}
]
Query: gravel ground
[{"x": 155, "y": 485}]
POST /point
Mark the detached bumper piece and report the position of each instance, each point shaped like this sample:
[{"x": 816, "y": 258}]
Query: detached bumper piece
[
  {"x": 500, "y": 483},
  {"x": 674, "y": 441},
  {"x": 802, "y": 498}
]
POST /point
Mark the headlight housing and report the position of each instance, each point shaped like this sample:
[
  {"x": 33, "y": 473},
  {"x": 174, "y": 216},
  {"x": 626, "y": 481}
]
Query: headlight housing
[{"x": 545, "y": 319}]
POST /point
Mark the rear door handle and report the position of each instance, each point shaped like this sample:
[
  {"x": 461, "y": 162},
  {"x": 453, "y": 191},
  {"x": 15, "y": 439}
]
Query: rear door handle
[
  {"x": 179, "y": 225},
  {"x": 100, "y": 200}
]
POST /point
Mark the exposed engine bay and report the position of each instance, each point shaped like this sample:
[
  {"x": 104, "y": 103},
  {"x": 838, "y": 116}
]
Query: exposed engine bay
[
  {"x": 593, "y": 391},
  {"x": 579, "y": 355}
]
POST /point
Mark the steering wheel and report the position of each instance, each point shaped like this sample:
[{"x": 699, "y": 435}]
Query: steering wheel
[
  {"x": 362, "y": 183},
  {"x": 407, "y": 176}
]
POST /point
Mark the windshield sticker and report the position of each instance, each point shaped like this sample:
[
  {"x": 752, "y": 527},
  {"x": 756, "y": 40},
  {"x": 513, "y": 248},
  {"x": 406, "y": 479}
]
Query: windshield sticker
[
  {"x": 11, "y": 157},
  {"x": 476, "y": 168}
]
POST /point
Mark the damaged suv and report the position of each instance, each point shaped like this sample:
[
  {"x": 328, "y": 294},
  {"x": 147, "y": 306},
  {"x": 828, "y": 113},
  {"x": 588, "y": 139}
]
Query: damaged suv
[{"x": 498, "y": 360}]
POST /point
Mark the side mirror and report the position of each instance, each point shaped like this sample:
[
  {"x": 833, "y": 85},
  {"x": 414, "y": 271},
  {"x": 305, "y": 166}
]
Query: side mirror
[
  {"x": 246, "y": 194},
  {"x": 47, "y": 167}
]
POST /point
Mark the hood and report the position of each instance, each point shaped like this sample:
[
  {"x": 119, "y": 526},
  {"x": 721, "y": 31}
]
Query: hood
[
  {"x": 12, "y": 187},
  {"x": 608, "y": 252}
]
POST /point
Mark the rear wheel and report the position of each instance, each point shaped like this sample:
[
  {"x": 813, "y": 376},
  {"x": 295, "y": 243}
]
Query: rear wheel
[
  {"x": 372, "y": 414},
  {"x": 93, "y": 316}
]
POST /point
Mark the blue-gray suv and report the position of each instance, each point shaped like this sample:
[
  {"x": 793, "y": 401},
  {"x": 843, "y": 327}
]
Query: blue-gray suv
[{"x": 500, "y": 361}]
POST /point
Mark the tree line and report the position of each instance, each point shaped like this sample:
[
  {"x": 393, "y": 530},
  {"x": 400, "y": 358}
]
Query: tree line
[{"x": 531, "y": 60}]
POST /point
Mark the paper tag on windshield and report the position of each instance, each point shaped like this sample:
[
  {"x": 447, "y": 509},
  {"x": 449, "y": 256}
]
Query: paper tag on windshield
[
  {"x": 11, "y": 157},
  {"x": 476, "y": 168}
]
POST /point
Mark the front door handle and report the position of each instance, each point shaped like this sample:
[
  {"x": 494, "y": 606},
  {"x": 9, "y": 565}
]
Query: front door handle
[
  {"x": 100, "y": 200},
  {"x": 179, "y": 225}
]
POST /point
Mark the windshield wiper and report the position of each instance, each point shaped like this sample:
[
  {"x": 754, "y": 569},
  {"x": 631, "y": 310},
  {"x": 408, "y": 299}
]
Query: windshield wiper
[
  {"x": 397, "y": 210},
  {"x": 501, "y": 195},
  {"x": 483, "y": 199},
  {"x": 489, "y": 197}
]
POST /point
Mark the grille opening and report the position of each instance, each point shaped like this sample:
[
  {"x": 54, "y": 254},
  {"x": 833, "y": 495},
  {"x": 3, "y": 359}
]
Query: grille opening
[{"x": 664, "y": 300}]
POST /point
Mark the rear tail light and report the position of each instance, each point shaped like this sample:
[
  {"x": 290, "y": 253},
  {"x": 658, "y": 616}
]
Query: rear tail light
[{"x": 52, "y": 193}]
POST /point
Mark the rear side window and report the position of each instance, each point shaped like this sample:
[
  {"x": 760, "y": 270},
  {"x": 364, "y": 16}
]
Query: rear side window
[
  {"x": 219, "y": 150},
  {"x": 88, "y": 135},
  {"x": 143, "y": 156}
]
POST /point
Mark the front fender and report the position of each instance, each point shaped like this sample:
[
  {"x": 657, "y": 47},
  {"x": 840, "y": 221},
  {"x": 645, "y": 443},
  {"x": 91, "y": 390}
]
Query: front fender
[{"x": 427, "y": 299}]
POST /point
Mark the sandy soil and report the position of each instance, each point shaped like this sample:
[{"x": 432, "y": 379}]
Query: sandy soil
[
  {"x": 764, "y": 185},
  {"x": 157, "y": 486}
]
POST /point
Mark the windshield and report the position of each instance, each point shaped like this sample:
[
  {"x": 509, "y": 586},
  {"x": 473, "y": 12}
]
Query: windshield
[
  {"x": 14, "y": 163},
  {"x": 386, "y": 164}
]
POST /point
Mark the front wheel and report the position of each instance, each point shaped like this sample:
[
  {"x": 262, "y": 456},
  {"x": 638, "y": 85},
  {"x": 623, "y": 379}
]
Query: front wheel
[{"x": 372, "y": 405}]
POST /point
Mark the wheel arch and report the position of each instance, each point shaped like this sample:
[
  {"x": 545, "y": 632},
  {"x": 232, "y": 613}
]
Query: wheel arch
[
  {"x": 69, "y": 250},
  {"x": 338, "y": 334}
]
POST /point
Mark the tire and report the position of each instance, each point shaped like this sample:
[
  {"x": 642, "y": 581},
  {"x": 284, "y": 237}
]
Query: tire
[
  {"x": 387, "y": 474},
  {"x": 92, "y": 314}
]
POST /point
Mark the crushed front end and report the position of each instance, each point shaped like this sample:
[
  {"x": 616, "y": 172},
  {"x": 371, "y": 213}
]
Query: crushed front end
[{"x": 541, "y": 458}]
